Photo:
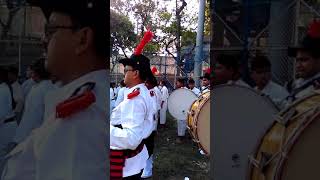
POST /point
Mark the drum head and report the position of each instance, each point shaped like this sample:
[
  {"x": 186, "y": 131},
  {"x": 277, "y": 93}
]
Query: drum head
[
  {"x": 302, "y": 161},
  {"x": 179, "y": 103},
  {"x": 240, "y": 116},
  {"x": 203, "y": 126}
]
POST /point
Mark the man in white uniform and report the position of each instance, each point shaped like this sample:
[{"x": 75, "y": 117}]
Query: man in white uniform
[
  {"x": 192, "y": 87},
  {"x": 33, "y": 114},
  {"x": 261, "y": 74},
  {"x": 71, "y": 143},
  {"x": 307, "y": 56},
  {"x": 132, "y": 122},
  {"x": 164, "y": 102},
  {"x": 121, "y": 92},
  {"x": 17, "y": 92},
  {"x": 8, "y": 124},
  {"x": 27, "y": 84},
  {"x": 227, "y": 71},
  {"x": 181, "y": 123}
]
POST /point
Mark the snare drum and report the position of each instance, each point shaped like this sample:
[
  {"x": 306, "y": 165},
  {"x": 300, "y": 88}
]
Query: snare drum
[
  {"x": 239, "y": 116},
  {"x": 180, "y": 101},
  {"x": 199, "y": 122},
  {"x": 289, "y": 150}
]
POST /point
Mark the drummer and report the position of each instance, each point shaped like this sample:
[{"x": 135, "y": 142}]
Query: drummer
[
  {"x": 191, "y": 85},
  {"x": 181, "y": 123},
  {"x": 205, "y": 80},
  {"x": 307, "y": 55},
  {"x": 261, "y": 74},
  {"x": 227, "y": 71}
]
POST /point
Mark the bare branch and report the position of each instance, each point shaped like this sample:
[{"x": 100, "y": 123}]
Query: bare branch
[{"x": 167, "y": 46}]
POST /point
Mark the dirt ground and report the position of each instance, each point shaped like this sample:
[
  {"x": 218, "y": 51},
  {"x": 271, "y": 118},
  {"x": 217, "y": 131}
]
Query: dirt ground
[{"x": 175, "y": 161}]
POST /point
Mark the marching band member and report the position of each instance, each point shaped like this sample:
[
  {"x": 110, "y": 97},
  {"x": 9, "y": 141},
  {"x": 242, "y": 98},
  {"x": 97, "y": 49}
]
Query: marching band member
[
  {"x": 205, "y": 80},
  {"x": 151, "y": 84},
  {"x": 307, "y": 57},
  {"x": 27, "y": 84},
  {"x": 192, "y": 87},
  {"x": 121, "y": 92},
  {"x": 71, "y": 142},
  {"x": 164, "y": 102},
  {"x": 261, "y": 74},
  {"x": 227, "y": 71},
  {"x": 132, "y": 120},
  {"x": 181, "y": 123},
  {"x": 33, "y": 114}
]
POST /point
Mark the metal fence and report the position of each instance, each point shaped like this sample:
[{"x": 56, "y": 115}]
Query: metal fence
[{"x": 265, "y": 27}]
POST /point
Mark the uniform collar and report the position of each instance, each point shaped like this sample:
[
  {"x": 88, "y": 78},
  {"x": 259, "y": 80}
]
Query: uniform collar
[
  {"x": 94, "y": 76},
  {"x": 137, "y": 86}
]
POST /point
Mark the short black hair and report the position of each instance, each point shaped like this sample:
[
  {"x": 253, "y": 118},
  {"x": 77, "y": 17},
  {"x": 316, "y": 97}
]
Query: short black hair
[
  {"x": 152, "y": 81},
  {"x": 191, "y": 81},
  {"x": 260, "y": 62},
  {"x": 181, "y": 80},
  {"x": 39, "y": 68},
  {"x": 3, "y": 75},
  {"x": 122, "y": 83},
  {"x": 229, "y": 61},
  {"x": 163, "y": 82}
]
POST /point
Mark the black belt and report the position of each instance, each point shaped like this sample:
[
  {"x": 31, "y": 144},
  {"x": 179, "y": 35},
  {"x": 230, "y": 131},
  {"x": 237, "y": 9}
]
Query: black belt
[{"x": 9, "y": 120}]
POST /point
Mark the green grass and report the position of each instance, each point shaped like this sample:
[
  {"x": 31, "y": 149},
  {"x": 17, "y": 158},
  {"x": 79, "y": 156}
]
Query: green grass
[{"x": 174, "y": 161}]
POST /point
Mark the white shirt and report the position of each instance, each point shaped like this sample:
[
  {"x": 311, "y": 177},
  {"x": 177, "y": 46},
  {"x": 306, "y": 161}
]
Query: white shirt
[
  {"x": 165, "y": 94},
  {"x": 18, "y": 96},
  {"x": 155, "y": 103},
  {"x": 239, "y": 82},
  {"x": 120, "y": 96},
  {"x": 5, "y": 102},
  {"x": 72, "y": 148},
  {"x": 205, "y": 89},
  {"x": 27, "y": 85},
  {"x": 136, "y": 117},
  {"x": 308, "y": 90},
  {"x": 196, "y": 91},
  {"x": 276, "y": 92},
  {"x": 158, "y": 97},
  {"x": 34, "y": 110}
]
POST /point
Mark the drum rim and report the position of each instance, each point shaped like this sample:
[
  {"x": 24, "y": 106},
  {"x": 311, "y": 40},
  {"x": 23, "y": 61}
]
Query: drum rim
[
  {"x": 294, "y": 140},
  {"x": 183, "y": 89},
  {"x": 255, "y": 152},
  {"x": 250, "y": 89},
  {"x": 206, "y": 99}
]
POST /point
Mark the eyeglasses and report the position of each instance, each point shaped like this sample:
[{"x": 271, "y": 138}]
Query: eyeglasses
[{"x": 49, "y": 30}]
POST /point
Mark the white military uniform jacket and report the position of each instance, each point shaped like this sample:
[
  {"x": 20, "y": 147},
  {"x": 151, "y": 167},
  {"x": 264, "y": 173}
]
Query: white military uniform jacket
[
  {"x": 120, "y": 96},
  {"x": 71, "y": 148},
  {"x": 33, "y": 114},
  {"x": 136, "y": 117},
  {"x": 18, "y": 97},
  {"x": 275, "y": 92},
  {"x": 26, "y": 86},
  {"x": 196, "y": 91}
]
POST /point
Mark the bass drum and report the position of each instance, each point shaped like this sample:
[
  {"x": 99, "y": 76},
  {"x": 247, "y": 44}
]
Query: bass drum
[
  {"x": 290, "y": 148},
  {"x": 199, "y": 122},
  {"x": 239, "y": 116},
  {"x": 179, "y": 103}
]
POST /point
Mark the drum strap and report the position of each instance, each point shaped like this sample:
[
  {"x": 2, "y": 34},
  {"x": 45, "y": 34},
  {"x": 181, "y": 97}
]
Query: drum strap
[{"x": 292, "y": 96}]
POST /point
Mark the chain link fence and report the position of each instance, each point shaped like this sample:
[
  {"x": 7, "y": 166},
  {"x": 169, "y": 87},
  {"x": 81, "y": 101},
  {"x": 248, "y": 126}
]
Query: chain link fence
[{"x": 248, "y": 28}]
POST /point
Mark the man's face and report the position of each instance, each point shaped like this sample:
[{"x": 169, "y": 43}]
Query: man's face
[
  {"x": 306, "y": 65},
  {"x": 205, "y": 82},
  {"x": 29, "y": 72},
  {"x": 61, "y": 44},
  {"x": 261, "y": 76},
  {"x": 191, "y": 85},
  {"x": 222, "y": 74},
  {"x": 130, "y": 75},
  {"x": 179, "y": 84}
]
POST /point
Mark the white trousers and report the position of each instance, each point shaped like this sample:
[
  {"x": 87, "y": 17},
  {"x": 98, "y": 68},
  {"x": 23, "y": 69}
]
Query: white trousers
[
  {"x": 163, "y": 113},
  {"x": 182, "y": 127}
]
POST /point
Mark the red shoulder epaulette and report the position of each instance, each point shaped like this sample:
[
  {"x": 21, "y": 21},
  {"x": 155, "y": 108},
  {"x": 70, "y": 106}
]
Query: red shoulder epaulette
[
  {"x": 134, "y": 93},
  {"x": 75, "y": 104}
]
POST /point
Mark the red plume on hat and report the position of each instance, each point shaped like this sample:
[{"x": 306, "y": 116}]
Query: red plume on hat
[
  {"x": 208, "y": 70},
  {"x": 146, "y": 38},
  {"x": 154, "y": 70},
  {"x": 314, "y": 29}
]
